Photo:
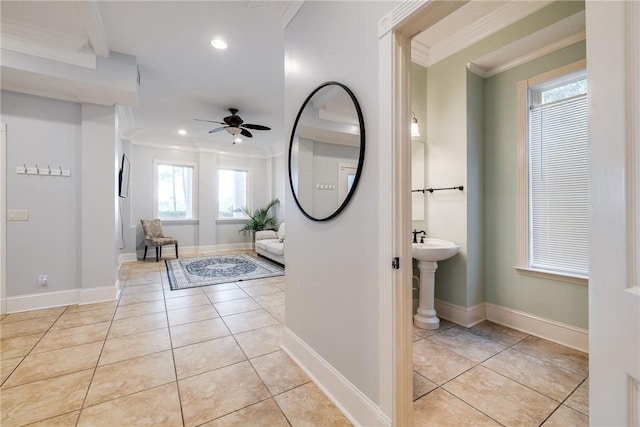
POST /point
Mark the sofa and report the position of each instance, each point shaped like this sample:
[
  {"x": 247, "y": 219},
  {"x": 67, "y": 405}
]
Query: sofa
[{"x": 270, "y": 244}]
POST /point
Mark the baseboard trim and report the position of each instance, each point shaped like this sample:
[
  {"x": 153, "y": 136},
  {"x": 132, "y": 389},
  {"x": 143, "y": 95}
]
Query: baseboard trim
[
  {"x": 465, "y": 316},
  {"x": 191, "y": 250},
  {"x": 43, "y": 300},
  {"x": 561, "y": 333},
  {"x": 357, "y": 407}
]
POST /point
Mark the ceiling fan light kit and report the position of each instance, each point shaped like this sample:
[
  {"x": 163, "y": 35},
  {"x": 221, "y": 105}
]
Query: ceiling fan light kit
[{"x": 234, "y": 125}]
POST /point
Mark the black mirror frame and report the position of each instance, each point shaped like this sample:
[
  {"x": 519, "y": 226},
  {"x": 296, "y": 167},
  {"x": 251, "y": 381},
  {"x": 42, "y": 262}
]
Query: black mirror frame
[{"x": 360, "y": 158}]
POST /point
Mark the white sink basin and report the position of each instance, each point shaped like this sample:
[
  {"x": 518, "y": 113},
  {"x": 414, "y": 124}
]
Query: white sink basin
[{"x": 434, "y": 250}]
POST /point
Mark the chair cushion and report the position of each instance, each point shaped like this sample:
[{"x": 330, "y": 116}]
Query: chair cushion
[
  {"x": 263, "y": 244},
  {"x": 275, "y": 248},
  {"x": 265, "y": 234},
  {"x": 281, "y": 232},
  {"x": 161, "y": 241}
]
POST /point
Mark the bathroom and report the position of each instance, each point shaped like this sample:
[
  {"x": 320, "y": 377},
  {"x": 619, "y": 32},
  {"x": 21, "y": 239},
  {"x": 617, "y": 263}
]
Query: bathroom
[{"x": 468, "y": 137}]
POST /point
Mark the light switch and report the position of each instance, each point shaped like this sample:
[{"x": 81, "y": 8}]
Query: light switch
[{"x": 17, "y": 215}]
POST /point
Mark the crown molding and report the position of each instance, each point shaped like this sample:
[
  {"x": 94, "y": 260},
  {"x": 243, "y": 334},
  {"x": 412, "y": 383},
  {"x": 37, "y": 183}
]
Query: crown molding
[
  {"x": 32, "y": 40},
  {"x": 95, "y": 28},
  {"x": 484, "y": 27},
  {"x": 419, "y": 53}
]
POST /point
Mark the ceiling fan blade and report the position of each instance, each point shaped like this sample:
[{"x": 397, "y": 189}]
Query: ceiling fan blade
[
  {"x": 255, "y": 127},
  {"x": 246, "y": 133},
  {"x": 218, "y": 129},
  {"x": 210, "y": 121}
]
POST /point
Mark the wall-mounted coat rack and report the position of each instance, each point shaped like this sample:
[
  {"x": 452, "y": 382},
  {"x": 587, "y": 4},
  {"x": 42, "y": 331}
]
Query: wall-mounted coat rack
[
  {"x": 431, "y": 190},
  {"x": 37, "y": 170}
]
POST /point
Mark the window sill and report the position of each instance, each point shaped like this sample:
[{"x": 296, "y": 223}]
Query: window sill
[
  {"x": 552, "y": 275},
  {"x": 233, "y": 220},
  {"x": 179, "y": 221}
]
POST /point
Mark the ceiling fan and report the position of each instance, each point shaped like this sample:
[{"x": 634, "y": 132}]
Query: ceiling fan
[{"x": 235, "y": 125}]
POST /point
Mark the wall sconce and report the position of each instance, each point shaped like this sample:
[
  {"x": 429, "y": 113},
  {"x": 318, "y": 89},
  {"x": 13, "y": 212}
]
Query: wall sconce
[{"x": 415, "y": 131}]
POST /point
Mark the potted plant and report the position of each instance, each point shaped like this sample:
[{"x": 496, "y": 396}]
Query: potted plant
[{"x": 260, "y": 219}]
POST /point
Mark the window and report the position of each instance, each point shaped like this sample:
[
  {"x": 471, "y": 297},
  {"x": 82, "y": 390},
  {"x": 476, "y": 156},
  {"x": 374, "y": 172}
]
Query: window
[
  {"x": 554, "y": 182},
  {"x": 232, "y": 193},
  {"x": 175, "y": 190}
]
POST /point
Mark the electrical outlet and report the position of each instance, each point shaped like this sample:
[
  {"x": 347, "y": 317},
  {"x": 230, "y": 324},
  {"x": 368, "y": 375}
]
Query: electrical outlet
[{"x": 42, "y": 280}]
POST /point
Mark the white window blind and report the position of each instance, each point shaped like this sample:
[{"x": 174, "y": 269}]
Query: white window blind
[{"x": 558, "y": 185}]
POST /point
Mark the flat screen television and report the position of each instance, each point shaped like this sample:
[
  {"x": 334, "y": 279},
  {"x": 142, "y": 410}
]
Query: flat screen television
[{"x": 123, "y": 177}]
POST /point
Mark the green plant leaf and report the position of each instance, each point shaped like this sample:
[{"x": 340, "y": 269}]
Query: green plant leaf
[{"x": 260, "y": 219}]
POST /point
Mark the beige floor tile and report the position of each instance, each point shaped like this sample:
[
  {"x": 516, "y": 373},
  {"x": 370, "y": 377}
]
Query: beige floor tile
[
  {"x": 188, "y": 301},
  {"x": 90, "y": 307},
  {"x": 216, "y": 393},
  {"x": 195, "y": 332},
  {"x": 262, "y": 414},
  {"x": 565, "y": 416},
  {"x": 207, "y": 356},
  {"x": 70, "y": 320},
  {"x": 466, "y": 344},
  {"x": 278, "y": 312},
  {"x": 134, "y": 325},
  {"x": 442, "y": 409},
  {"x": 18, "y": 346},
  {"x": 134, "y": 310},
  {"x": 65, "y": 420},
  {"x": 40, "y": 366},
  {"x": 138, "y": 297},
  {"x": 421, "y": 385},
  {"x": 7, "y": 366},
  {"x": 221, "y": 287},
  {"x": 191, "y": 314},
  {"x": 557, "y": 354},
  {"x": 43, "y": 399},
  {"x": 260, "y": 290},
  {"x": 279, "y": 372},
  {"x": 260, "y": 341},
  {"x": 436, "y": 363},
  {"x": 136, "y": 345},
  {"x": 270, "y": 300},
  {"x": 143, "y": 278},
  {"x": 541, "y": 376},
  {"x": 236, "y": 306},
  {"x": 251, "y": 320},
  {"x": 498, "y": 333},
  {"x": 70, "y": 337},
  {"x": 26, "y": 327},
  {"x": 518, "y": 405},
  {"x": 256, "y": 282},
  {"x": 226, "y": 295},
  {"x": 149, "y": 287},
  {"x": 131, "y": 376},
  {"x": 579, "y": 399},
  {"x": 423, "y": 333},
  {"x": 35, "y": 314},
  {"x": 308, "y": 406},
  {"x": 158, "y": 406},
  {"x": 178, "y": 293}
]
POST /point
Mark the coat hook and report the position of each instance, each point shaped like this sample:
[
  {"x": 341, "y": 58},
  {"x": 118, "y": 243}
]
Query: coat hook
[
  {"x": 49, "y": 167},
  {"x": 60, "y": 167},
  {"x": 37, "y": 170}
]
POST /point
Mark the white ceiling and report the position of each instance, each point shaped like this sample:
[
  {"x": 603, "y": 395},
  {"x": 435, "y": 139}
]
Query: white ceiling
[{"x": 183, "y": 78}]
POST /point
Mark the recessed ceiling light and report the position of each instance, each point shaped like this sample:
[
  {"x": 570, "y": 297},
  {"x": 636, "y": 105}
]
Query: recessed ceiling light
[
  {"x": 219, "y": 44},
  {"x": 182, "y": 132}
]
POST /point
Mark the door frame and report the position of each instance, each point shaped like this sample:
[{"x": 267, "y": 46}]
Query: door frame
[
  {"x": 3, "y": 218},
  {"x": 394, "y": 210}
]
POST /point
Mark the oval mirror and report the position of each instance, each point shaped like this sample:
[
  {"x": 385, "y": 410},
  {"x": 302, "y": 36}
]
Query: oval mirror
[{"x": 326, "y": 151}]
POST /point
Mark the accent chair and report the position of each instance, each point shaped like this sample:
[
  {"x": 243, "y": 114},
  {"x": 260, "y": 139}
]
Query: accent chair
[{"x": 153, "y": 236}]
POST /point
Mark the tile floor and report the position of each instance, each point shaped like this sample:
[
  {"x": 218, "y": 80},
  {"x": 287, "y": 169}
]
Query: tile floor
[
  {"x": 203, "y": 356},
  {"x": 211, "y": 356},
  {"x": 490, "y": 375}
]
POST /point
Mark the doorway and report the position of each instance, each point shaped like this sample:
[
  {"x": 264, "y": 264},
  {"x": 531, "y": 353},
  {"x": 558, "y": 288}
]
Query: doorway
[{"x": 394, "y": 39}]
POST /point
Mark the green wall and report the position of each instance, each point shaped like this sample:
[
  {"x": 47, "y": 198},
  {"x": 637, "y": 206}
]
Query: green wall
[
  {"x": 560, "y": 301},
  {"x": 471, "y": 141}
]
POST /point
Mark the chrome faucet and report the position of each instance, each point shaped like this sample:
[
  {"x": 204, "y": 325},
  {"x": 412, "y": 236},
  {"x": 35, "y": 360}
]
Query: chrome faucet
[{"x": 415, "y": 234}]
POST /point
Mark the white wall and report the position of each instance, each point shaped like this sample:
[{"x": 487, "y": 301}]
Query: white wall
[
  {"x": 45, "y": 132},
  {"x": 332, "y": 293},
  {"x": 70, "y": 232}
]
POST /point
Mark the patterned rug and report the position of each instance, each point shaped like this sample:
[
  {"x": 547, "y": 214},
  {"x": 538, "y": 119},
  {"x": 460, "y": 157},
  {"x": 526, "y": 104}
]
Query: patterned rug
[{"x": 214, "y": 270}]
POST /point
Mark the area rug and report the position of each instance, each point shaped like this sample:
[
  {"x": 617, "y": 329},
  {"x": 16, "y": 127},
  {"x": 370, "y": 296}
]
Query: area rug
[{"x": 214, "y": 270}]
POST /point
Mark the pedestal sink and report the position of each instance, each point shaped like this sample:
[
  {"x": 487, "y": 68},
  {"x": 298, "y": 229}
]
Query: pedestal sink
[{"x": 428, "y": 254}]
